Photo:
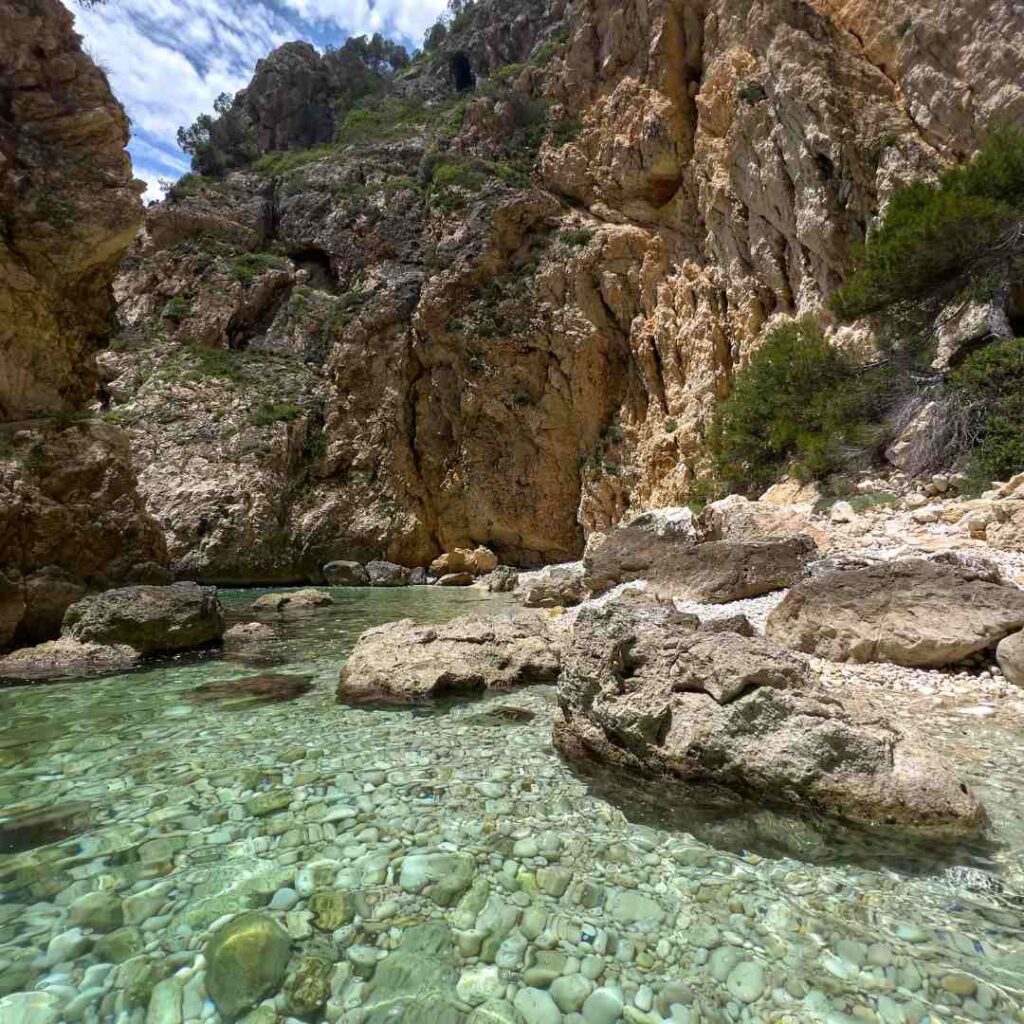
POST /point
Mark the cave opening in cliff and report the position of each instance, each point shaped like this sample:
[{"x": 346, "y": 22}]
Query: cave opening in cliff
[
  {"x": 317, "y": 265},
  {"x": 1015, "y": 309},
  {"x": 462, "y": 73}
]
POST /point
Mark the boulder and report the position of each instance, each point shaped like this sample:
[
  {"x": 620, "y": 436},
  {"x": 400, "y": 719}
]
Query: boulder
[
  {"x": 405, "y": 663},
  {"x": 246, "y": 959},
  {"x": 418, "y": 577},
  {"x": 642, "y": 690},
  {"x": 478, "y": 561},
  {"x": 346, "y": 574},
  {"x": 150, "y": 619},
  {"x": 48, "y": 595},
  {"x": 503, "y": 580},
  {"x": 628, "y": 551},
  {"x": 248, "y": 633},
  {"x": 555, "y": 586},
  {"x": 293, "y": 601},
  {"x": 965, "y": 325},
  {"x": 737, "y": 518},
  {"x": 387, "y": 574},
  {"x": 916, "y": 612},
  {"x": 714, "y": 572},
  {"x": 456, "y": 579},
  {"x": 267, "y": 688},
  {"x": 67, "y": 657},
  {"x": 1009, "y": 655}
]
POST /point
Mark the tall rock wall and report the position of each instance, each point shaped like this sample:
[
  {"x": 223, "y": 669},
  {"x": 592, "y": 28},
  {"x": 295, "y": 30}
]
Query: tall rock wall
[
  {"x": 516, "y": 356},
  {"x": 70, "y": 515}
]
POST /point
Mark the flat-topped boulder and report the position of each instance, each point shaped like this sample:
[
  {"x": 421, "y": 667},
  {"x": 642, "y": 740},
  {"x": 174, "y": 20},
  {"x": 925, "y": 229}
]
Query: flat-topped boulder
[
  {"x": 67, "y": 657},
  {"x": 714, "y": 572},
  {"x": 644, "y": 690},
  {"x": 406, "y": 663},
  {"x": 914, "y": 612},
  {"x": 149, "y": 619},
  {"x": 293, "y": 601}
]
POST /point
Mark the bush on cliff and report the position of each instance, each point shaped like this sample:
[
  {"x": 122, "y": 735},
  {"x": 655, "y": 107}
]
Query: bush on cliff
[
  {"x": 947, "y": 234},
  {"x": 989, "y": 388},
  {"x": 800, "y": 405}
]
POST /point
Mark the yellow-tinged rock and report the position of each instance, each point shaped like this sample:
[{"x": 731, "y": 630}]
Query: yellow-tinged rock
[{"x": 246, "y": 959}]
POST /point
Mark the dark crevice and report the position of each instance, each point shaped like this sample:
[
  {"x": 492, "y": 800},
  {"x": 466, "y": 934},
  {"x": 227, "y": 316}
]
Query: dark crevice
[
  {"x": 461, "y": 72},
  {"x": 317, "y": 265}
]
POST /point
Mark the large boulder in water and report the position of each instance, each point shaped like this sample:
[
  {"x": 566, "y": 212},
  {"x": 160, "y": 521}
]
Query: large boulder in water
[
  {"x": 151, "y": 620},
  {"x": 477, "y": 561},
  {"x": 293, "y": 601},
  {"x": 915, "y": 612},
  {"x": 67, "y": 657},
  {"x": 387, "y": 574},
  {"x": 644, "y": 690},
  {"x": 346, "y": 574},
  {"x": 405, "y": 663}
]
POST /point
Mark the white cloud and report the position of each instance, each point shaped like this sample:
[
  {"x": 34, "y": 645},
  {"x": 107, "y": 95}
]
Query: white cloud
[{"x": 168, "y": 60}]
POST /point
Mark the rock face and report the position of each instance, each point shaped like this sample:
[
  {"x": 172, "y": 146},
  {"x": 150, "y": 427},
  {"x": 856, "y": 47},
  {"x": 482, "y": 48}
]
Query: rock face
[
  {"x": 70, "y": 516},
  {"x": 709, "y": 571},
  {"x": 70, "y": 206},
  {"x": 642, "y": 690},
  {"x": 150, "y": 620},
  {"x": 521, "y": 359},
  {"x": 915, "y": 613},
  {"x": 403, "y": 663}
]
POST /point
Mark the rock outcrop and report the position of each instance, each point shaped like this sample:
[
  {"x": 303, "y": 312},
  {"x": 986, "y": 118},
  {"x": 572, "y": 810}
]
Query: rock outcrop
[
  {"x": 504, "y": 317},
  {"x": 917, "y": 613},
  {"x": 71, "y": 519},
  {"x": 293, "y": 602},
  {"x": 151, "y": 620},
  {"x": 1010, "y": 655},
  {"x": 714, "y": 572},
  {"x": 404, "y": 663},
  {"x": 641, "y": 690}
]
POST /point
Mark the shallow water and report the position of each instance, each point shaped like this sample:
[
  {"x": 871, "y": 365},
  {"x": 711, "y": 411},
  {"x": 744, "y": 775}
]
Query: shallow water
[{"x": 187, "y": 808}]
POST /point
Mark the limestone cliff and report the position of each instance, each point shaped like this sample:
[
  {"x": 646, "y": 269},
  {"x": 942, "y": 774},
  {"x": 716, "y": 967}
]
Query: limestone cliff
[
  {"x": 500, "y": 306},
  {"x": 70, "y": 516}
]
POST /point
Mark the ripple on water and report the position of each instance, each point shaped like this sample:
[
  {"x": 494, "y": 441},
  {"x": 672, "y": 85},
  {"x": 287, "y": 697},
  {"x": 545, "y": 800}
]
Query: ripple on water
[{"x": 680, "y": 909}]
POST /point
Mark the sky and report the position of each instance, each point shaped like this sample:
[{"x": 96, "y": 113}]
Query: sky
[{"x": 168, "y": 60}]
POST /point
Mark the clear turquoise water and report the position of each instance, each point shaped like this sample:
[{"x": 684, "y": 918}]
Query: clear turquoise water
[{"x": 135, "y": 786}]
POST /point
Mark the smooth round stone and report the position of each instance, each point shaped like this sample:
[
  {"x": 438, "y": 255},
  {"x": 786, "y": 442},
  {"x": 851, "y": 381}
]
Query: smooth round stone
[
  {"x": 480, "y": 985},
  {"x": 100, "y": 911},
  {"x": 284, "y": 899},
  {"x": 525, "y": 848},
  {"x": 852, "y": 952},
  {"x": 67, "y": 946},
  {"x": 536, "y": 1006},
  {"x": 603, "y": 1006},
  {"x": 30, "y": 1008},
  {"x": 571, "y": 991},
  {"x": 723, "y": 960},
  {"x": 245, "y": 959},
  {"x": 746, "y": 981}
]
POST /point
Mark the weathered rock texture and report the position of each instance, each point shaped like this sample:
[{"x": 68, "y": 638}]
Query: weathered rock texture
[
  {"x": 642, "y": 690},
  {"x": 70, "y": 516},
  {"x": 151, "y": 620},
  {"x": 70, "y": 208},
  {"x": 915, "y": 613},
  {"x": 403, "y": 663},
  {"x": 519, "y": 359}
]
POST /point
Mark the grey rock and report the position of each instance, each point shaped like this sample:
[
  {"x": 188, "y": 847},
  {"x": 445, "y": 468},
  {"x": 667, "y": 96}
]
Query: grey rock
[
  {"x": 68, "y": 657},
  {"x": 555, "y": 586},
  {"x": 387, "y": 574},
  {"x": 1010, "y": 656},
  {"x": 149, "y": 619},
  {"x": 915, "y": 612},
  {"x": 346, "y": 574},
  {"x": 645, "y": 692},
  {"x": 402, "y": 662},
  {"x": 290, "y": 602}
]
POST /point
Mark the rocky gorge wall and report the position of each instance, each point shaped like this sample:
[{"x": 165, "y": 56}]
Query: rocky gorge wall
[
  {"x": 71, "y": 518},
  {"x": 502, "y": 315}
]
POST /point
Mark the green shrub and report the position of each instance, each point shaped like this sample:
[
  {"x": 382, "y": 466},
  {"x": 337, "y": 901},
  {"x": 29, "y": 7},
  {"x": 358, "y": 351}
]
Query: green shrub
[
  {"x": 990, "y": 385},
  {"x": 274, "y": 164},
  {"x": 939, "y": 234},
  {"x": 671, "y": 425},
  {"x": 564, "y": 132},
  {"x": 222, "y": 363},
  {"x": 577, "y": 237},
  {"x": 176, "y": 309},
  {"x": 449, "y": 173},
  {"x": 797, "y": 407},
  {"x": 247, "y": 267},
  {"x": 752, "y": 92},
  {"x": 268, "y": 413}
]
